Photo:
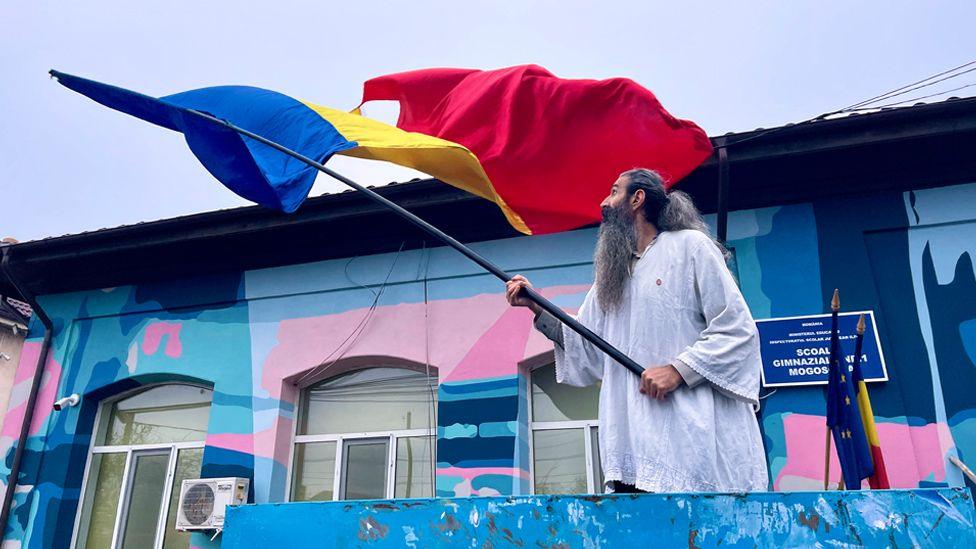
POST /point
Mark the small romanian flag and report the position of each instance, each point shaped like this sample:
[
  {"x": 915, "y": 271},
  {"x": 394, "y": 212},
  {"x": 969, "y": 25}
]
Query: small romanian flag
[{"x": 878, "y": 480}]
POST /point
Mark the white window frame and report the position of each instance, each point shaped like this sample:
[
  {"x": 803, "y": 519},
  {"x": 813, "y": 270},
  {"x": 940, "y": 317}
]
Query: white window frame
[
  {"x": 392, "y": 437},
  {"x": 338, "y": 486},
  {"x": 173, "y": 448},
  {"x": 586, "y": 428}
]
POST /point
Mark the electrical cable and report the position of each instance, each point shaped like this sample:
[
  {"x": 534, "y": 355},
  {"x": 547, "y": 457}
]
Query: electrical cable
[
  {"x": 358, "y": 330},
  {"x": 431, "y": 408},
  {"x": 888, "y": 94},
  {"x": 917, "y": 87},
  {"x": 919, "y": 98}
]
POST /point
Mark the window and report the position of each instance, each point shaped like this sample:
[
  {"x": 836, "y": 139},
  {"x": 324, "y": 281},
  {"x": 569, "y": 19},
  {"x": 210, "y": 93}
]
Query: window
[
  {"x": 145, "y": 445},
  {"x": 565, "y": 447},
  {"x": 366, "y": 434}
]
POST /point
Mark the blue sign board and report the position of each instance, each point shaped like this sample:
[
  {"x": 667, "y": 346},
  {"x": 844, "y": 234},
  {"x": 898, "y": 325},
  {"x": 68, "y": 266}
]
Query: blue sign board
[{"x": 796, "y": 350}]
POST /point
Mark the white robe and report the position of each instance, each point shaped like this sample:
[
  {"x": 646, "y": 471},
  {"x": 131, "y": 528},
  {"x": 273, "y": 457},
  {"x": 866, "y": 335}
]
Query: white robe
[{"x": 680, "y": 304}]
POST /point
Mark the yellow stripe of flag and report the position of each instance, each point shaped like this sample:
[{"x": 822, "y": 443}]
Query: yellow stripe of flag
[{"x": 448, "y": 161}]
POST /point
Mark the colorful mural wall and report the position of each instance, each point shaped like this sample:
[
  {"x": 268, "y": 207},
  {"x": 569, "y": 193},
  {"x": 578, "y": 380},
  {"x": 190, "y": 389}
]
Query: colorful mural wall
[{"x": 255, "y": 336}]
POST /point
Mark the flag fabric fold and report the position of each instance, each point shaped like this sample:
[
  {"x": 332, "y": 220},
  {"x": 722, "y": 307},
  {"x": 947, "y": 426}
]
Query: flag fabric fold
[
  {"x": 844, "y": 418},
  {"x": 265, "y": 176},
  {"x": 250, "y": 169},
  {"x": 550, "y": 146}
]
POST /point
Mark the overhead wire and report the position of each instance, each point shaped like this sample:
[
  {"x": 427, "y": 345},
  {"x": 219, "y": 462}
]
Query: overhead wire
[
  {"x": 920, "y": 86},
  {"x": 432, "y": 407},
  {"x": 912, "y": 99},
  {"x": 888, "y": 94},
  {"x": 360, "y": 328}
]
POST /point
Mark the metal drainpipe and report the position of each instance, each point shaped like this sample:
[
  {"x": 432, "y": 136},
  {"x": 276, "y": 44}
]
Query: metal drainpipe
[
  {"x": 722, "y": 216},
  {"x": 8, "y": 496}
]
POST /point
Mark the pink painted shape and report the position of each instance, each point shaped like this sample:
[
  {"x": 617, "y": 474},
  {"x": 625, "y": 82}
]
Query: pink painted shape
[
  {"x": 272, "y": 443},
  {"x": 399, "y": 331},
  {"x": 464, "y": 489},
  {"x": 28, "y": 359},
  {"x": 396, "y": 331},
  {"x": 305, "y": 343},
  {"x": 239, "y": 442},
  {"x": 22, "y": 380},
  {"x": 911, "y": 453},
  {"x": 154, "y": 334},
  {"x": 932, "y": 443},
  {"x": 538, "y": 343},
  {"x": 498, "y": 352},
  {"x": 478, "y": 471}
]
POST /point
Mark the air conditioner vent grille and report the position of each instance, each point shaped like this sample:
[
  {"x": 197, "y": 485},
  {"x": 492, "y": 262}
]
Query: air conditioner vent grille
[{"x": 198, "y": 504}]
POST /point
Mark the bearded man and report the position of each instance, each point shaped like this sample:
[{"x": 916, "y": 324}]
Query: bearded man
[{"x": 664, "y": 296}]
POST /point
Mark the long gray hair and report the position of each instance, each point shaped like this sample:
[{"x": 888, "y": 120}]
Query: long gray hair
[{"x": 668, "y": 211}]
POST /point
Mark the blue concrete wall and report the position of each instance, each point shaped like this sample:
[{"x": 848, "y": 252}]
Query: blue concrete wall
[
  {"x": 908, "y": 256},
  {"x": 896, "y": 518}
]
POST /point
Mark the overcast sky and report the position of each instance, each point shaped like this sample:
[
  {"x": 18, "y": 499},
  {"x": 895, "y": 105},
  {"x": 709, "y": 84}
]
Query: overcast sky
[{"x": 69, "y": 165}]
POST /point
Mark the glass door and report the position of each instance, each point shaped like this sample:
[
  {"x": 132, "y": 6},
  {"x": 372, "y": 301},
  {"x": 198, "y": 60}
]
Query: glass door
[
  {"x": 366, "y": 463},
  {"x": 143, "y": 501}
]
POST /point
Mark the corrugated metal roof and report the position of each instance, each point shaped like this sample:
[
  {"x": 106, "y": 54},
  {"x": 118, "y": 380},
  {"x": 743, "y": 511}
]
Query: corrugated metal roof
[
  {"x": 15, "y": 311},
  {"x": 208, "y": 212}
]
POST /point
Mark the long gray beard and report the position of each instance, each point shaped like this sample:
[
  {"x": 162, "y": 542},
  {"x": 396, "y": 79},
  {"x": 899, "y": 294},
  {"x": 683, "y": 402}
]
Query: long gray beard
[{"x": 614, "y": 255}]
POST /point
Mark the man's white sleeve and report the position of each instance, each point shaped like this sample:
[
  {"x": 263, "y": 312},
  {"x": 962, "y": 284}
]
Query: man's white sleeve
[
  {"x": 550, "y": 327},
  {"x": 726, "y": 352},
  {"x": 578, "y": 362}
]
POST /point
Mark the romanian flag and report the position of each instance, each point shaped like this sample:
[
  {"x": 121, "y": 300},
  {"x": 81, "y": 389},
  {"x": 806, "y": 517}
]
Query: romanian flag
[
  {"x": 545, "y": 150},
  {"x": 550, "y": 147},
  {"x": 878, "y": 480}
]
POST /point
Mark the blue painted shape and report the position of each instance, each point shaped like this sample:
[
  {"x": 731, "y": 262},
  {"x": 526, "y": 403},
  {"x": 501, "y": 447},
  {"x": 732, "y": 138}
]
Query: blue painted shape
[
  {"x": 967, "y": 333},
  {"x": 498, "y": 429},
  {"x": 457, "y": 430},
  {"x": 900, "y": 518}
]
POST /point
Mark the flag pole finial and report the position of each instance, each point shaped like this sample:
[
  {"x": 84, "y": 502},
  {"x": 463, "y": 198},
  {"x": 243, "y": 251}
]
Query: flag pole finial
[
  {"x": 835, "y": 301},
  {"x": 860, "y": 325}
]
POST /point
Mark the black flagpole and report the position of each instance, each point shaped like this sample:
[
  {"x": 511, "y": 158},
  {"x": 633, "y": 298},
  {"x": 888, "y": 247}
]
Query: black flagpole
[{"x": 547, "y": 305}]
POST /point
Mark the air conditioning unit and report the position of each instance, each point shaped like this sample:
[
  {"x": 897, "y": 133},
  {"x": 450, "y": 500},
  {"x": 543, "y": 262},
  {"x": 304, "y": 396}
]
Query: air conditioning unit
[{"x": 203, "y": 501}]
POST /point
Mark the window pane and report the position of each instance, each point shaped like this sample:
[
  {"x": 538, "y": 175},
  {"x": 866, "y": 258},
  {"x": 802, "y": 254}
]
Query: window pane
[
  {"x": 314, "y": 471},
  {"x": 375, "y": 399},
  {"x": 560, "y": 461},
  {"x": 364, "y": 471},
  {"x": 101, "y": 500},
  {"x": 553, "y": 401},
  {"x": 168, "y": 413},
  {"x": 597, "y": 464},
  {"x": 145, "y": 500},
  {"x": 413, "y": 467},
  {"x": 188, "y": 464}
]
